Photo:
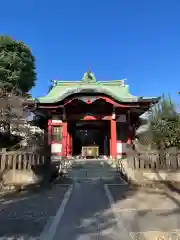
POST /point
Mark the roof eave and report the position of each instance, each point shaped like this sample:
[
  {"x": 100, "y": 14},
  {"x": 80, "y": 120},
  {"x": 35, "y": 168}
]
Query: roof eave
[{"x": 152, "y": 100}]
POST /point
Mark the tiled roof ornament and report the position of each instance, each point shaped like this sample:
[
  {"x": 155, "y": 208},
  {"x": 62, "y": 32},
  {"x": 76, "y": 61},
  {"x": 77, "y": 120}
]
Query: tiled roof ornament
[
  {"x": 54, "y": 83},
  {"x": 88, "y": 77}
]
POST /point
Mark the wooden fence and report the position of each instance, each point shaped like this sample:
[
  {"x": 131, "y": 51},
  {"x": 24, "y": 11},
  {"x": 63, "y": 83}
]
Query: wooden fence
[
  {"x": 154, "y": 161},
  {"x": 20, "y": 160}
]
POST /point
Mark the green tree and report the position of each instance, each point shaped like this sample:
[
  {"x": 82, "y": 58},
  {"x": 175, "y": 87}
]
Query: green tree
[
  {"x": 17, "y": 65},
  {"x": 165, "y": 124}
]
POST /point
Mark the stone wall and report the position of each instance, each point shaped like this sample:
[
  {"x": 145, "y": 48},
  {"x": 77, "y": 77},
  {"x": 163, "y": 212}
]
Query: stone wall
[
  {"x": 22, "y": 168},
  {"x": 142, "y": 176},
  {"x": 151, "y": 166}
]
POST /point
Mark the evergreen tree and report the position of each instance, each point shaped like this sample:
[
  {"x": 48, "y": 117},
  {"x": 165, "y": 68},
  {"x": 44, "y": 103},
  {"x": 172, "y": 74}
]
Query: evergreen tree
[
  {"x": 165, "y": 124},
  {"x": 17, "y": 65}
]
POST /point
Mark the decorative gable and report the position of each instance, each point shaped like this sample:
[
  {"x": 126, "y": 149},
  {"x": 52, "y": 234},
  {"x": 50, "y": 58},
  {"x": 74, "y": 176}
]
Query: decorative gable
[{"x": 88, "y": 77}]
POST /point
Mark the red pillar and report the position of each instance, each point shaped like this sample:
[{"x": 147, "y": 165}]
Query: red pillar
[
  {"x": 64, "y": 139},
  {"x": 113, "y": 145}
]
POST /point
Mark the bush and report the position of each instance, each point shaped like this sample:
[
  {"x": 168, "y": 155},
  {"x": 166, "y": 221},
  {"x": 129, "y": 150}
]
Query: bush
[{"x": 165, "y": 125}]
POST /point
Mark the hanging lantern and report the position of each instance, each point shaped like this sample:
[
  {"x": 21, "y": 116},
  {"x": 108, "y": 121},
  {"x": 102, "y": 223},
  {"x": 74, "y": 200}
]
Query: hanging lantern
[{"x": 113, "y": 114}]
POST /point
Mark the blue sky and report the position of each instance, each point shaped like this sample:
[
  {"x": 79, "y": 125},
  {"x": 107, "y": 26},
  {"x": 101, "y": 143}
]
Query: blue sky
[{"x": 134, "y": 39}]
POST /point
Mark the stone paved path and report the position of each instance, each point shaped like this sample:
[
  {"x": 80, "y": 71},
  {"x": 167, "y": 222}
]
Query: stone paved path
[
  {"x": 96, "y": 205},
  {"x": 106, "y": 208}
]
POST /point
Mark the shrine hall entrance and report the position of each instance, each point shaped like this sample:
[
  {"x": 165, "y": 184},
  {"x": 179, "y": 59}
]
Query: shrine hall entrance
[{"x": 90, "y": 133}]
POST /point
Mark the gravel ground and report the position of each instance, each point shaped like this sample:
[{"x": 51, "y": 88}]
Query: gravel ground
[
  {"x": 147, "y": 213},
  {"x": 26, "y": 213},
  {"x": 101, "y": 206}
]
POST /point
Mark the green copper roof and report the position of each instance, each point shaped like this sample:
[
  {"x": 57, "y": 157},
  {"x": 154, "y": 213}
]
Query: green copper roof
[{"x": 88, "y": 84}]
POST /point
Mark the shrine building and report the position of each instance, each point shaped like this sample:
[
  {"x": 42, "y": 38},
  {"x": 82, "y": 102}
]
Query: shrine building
[{"x": 97, "y": 116}]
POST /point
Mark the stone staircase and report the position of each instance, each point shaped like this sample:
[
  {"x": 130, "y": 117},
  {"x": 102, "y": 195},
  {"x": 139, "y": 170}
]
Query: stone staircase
[{"x": 92, "y": 170}]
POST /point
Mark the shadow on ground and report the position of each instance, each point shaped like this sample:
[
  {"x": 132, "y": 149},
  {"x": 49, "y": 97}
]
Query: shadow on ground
[
  {"x": 88, "y": 211},
  {"x": 25, "y": 213}
]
